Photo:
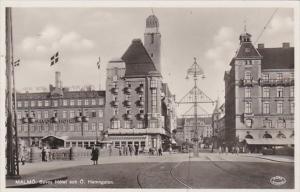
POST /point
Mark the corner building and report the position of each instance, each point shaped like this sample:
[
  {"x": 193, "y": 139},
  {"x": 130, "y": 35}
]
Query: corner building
[
  {"x": 135, "y": 92},
  {"x": 259, "y": 95}
]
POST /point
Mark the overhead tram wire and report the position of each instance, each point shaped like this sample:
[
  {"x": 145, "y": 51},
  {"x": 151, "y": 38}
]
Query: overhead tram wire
[{"x": 266, "y": 25}]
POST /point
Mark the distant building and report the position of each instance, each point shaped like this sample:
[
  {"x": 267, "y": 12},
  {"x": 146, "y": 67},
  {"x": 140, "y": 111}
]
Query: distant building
[
  {"x": 218, "y": 124},
  {"x": 186, "y": 128},
  {"x": 139, "y": 106},
  {"x": 60, "y": 118},
  {"x": 259, "y": 94}
]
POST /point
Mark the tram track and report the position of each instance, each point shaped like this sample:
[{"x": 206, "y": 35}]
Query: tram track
[{"x": 143, "y": 173}]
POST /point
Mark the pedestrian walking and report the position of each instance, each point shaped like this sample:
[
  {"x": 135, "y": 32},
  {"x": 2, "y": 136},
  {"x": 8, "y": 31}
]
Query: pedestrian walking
[
  {"x": 95, "y": 155},
  {"x": 130, "y": 149},
  {"x": 123, "y": 150},
  {"x": 159, "y": 152},
  {"x": 120, "y": 151},
  {"x": 44, "y": 155},
  {"x": 110, "y": 150},
  {"x": 136, "y": 149},
  {"x": 126, "y": 150}
]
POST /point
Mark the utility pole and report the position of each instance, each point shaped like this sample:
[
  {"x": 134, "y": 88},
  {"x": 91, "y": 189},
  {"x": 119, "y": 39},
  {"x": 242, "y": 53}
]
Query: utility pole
[{"x": 12, "y": 165}]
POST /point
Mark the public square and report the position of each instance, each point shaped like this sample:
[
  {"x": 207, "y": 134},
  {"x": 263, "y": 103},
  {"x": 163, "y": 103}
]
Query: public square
[{"x": 209, "y": 171}]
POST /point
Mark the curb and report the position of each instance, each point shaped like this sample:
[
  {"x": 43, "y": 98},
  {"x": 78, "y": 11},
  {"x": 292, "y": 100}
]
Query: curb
[
  {"x": 36, "y": 184},
  {"x": 271, "y": 159}
]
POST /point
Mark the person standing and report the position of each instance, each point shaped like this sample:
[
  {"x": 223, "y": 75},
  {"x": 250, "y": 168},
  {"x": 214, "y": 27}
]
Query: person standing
[
  {"x": 160, "y": 151},
  {"x": 110, "y": 149},
  {"x": 130, "y": 149},
  {"x": 126, "y": 150},
  {"x": 136, "y": 149},
  {"x": 95, "y": 155},
  {"x": 44, "y": 154}
]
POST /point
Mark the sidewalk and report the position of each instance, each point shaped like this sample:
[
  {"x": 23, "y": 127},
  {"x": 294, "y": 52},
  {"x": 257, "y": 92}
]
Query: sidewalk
[{"x": 277, "y": 158}]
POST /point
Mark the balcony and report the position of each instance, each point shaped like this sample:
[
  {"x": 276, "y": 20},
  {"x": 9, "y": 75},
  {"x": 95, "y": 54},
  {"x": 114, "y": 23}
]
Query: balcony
[
  {"x": 127, "y": 103},
  {"x": 25, "y": 120},
  {"x": 246, "y": 83},
  {"x": 128, "y": 116},
  {"x": 140, "y": 103},
  {"x": 78, "y": 119},
  {"x": 141, "y": 116},
  {"x": 54, "y": 119},
  {"x": 85, "y": 119},
  {"x": 115, "y": 90},
  {"x": 31, "y": 119},
  {"x": 140, "y": 89},
  {"x": 127, "y": 90},
  {"x": 115, "y": 103}
]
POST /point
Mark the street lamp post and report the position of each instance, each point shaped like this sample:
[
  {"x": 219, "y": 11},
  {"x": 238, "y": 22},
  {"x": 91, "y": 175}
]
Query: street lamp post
[{"x": 195, "y": 71}]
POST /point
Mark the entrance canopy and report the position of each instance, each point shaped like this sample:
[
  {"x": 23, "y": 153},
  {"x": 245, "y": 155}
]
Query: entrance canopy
[{"x": 270, "y": 141}]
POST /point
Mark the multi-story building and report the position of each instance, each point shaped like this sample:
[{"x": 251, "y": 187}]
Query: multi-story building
[
  {"x": 60, "y": 118},
  {"x": 259, "y": 93},
  {"x": 137, "y": 107},
  {"x": 218, "y": 124}
]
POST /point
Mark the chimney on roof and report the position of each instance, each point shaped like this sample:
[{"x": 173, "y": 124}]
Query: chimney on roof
[
  {"x": 261, "y": 46},
  {"x": 285, "y": 45}
]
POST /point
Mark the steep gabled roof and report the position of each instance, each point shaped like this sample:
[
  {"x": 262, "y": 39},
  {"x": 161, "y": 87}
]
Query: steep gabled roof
[
  {"x": 247, "y": 50},
  {"x": 277, "y": 58},
  {"x": 137, "y": 60}
]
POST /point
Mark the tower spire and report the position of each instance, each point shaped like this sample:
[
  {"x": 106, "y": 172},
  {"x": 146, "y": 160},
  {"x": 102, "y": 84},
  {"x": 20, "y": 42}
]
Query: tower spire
[{"x": 245, "y": 25}]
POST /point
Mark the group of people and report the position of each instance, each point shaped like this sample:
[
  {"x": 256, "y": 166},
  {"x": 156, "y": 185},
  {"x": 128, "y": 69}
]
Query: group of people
[
  {"x": 128, "y": 150},
  {"x": 233, "y": 150},
  {"x": 153, "y": 151}
]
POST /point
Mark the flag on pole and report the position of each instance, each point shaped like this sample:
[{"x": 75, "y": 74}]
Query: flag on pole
[
  {"x": 17, "y": 63},
  {"x": 98, "y": 63},
  {"x": 54, "y": 59}
]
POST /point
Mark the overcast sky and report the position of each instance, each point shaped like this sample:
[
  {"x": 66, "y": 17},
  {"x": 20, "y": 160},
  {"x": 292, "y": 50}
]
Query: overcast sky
[{"x": 83, "y": 34}]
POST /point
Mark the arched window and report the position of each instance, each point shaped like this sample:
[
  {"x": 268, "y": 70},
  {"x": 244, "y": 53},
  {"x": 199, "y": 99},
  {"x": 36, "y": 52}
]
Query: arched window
[
  {"x": 267, "y": 136},
  {"x": 249, "y": 136}
]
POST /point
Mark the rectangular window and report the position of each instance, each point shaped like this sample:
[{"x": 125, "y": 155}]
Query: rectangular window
[
  {"x": 279, "y": 76},
  {"x": 72, "y": 102},
  {"x": 154, "y": 100},
  {"x": 266, "y": 107},
  {"x": 93, "y": 126},
  {"x": 72, "y": 114},
  {"x": 40, "y": 103},
  {"x": 64, "y": 115},
  {"x": 93, "y": 102},
  {"x": 267, "y": 123},
  {"x": 247, "y": 92},
  {"x": 292, "y": 91},
  {"x": 115, "y": 124},
  {"x": 248, "y": 75},
  {"x": 46, "y": 128},
  {"x": 19, "y": 115},
  {"x": 248, "y": 123},
  {"x": 266, "y": 92},
  {"x": 153, "y": 124},
  {"x": 65, "y": 102},
  {"x": 101, "y": 101},
  {"x": 54, "y": 127},
  {"x": 265, "y": 76},
  {"x": 46, "y": 114},
  {"x": 55, "y": 103},
  {"x": 71, "y": 127},
  {"x": 38, "y": 115},
  {"x": 100, "y": 126},
  {"x": 46, "y": 103},
  {"x": 140, "y": 124},
  {"x": 85, "y": 126},
  {"x": 280, "y": 124},
  {"x": 19, "y": 104},
  {"x": 100, "y": 113},
  {"x": 79, "y": 102},
  {"x": 25, "y": 103},
  {"x": 279, "y": 92},
  {"x": 86, "y": 102},
  {"x": 248, "y": 108},
  {"x": 94, "y": 114},
  {"x": 279, "y": 107},
  {"x": 292, "y": 107},
  {"x": 127, "y": 124},
  {"x": 32, "y": 104},
  {"x": 153, "y": 83}
]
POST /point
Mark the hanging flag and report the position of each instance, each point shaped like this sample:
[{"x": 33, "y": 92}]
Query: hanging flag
[
  {"x": 54, "y": 59},
  {"x": 17, "y": 63},
  {"x": 98, "y": 63}
]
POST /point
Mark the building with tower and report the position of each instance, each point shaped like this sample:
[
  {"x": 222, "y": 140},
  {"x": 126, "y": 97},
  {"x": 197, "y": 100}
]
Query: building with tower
[
  {"x": 259, "y": 95},
  {"x": 139, "y": 107}
]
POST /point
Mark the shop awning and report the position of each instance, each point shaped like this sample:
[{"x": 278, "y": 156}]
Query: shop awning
[{"x": 270, "y": 141}]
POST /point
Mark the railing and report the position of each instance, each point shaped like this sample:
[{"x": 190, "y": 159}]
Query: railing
[{"x": 277, "y": 82}]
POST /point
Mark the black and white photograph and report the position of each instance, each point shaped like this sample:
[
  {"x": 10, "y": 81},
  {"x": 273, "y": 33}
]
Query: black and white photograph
[{"x": 149, "y": 95}]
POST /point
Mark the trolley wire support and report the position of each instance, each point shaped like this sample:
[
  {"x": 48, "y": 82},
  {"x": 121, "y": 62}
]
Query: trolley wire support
[{"x": 195, "y": 96}]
